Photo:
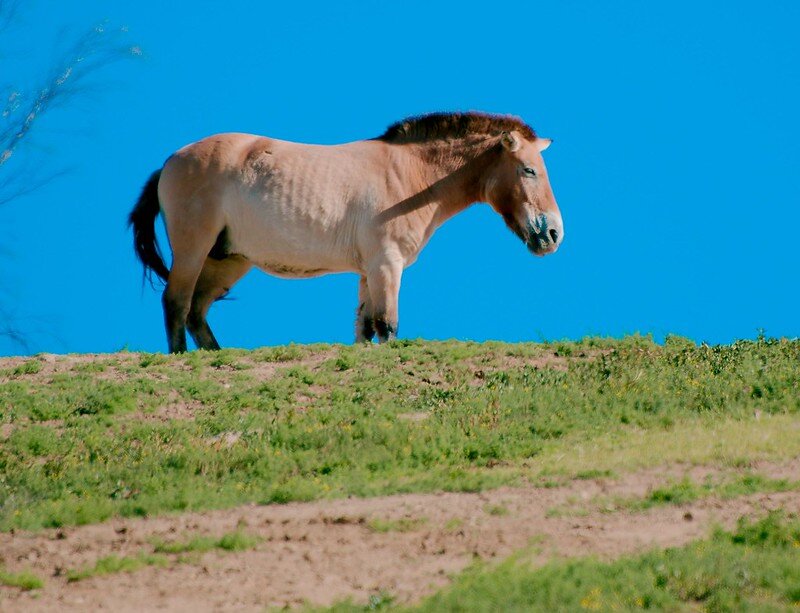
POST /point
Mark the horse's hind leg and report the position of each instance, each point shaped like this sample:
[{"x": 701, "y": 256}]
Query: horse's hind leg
[
  {"x": 216, "y": 280},
  {"x": 177, "y": 298},
  {"x": 190, "y": 246},
  {"x": 365, "y": 325}
]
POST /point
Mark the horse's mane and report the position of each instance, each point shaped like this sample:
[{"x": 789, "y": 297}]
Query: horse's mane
[{"x": 436, "y": 126}]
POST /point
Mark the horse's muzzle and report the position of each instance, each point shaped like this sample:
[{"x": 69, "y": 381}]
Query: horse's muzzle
[{"x": 545, "y": 233}]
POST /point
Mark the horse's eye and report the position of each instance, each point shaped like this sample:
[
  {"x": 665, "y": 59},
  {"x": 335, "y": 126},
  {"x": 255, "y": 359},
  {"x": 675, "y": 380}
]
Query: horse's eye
[{"x": 531, "y": 172}]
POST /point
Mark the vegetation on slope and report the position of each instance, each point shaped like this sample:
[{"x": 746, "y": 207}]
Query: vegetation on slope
[
  {"x": 753, "y": 568},
  {"x": 140, "y": 434}
]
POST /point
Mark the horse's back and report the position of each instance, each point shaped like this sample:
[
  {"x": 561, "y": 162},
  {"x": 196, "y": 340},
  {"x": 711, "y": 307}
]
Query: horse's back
[
  {"x": 288, "y": 207},
  {"x": 255, "y": 160}
]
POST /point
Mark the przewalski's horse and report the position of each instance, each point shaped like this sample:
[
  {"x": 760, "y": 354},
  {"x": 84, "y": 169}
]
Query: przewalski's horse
[{"x": 233, "y": 201}]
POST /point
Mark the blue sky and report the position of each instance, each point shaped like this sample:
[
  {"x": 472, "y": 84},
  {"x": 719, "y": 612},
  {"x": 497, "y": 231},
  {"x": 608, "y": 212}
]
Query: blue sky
[{"x": 675, "y": 162}]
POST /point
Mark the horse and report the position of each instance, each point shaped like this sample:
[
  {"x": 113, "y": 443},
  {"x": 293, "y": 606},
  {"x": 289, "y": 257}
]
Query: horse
[{"x": 233, "y": 201}]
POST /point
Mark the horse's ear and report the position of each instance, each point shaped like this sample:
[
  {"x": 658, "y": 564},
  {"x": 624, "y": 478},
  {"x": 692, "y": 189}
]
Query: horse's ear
[
  {"x": 510, "y": 140},
  {"x": 543, "y": 143}
]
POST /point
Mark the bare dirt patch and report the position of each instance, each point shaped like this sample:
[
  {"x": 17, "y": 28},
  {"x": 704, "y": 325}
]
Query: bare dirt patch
[{"x": 322, "y": 552}]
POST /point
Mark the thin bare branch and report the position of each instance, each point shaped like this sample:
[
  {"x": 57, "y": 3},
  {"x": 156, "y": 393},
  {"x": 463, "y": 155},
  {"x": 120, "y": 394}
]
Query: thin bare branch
[
  {"x": 21, "y": 109},
  {"x": 89, "y": 53},
  {"x": 17, "y": 338},
  {"x": 14, "y": 187}
]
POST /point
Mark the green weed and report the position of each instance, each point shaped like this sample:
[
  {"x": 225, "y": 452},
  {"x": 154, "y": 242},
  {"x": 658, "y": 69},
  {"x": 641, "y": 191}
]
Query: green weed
[
  {"x": 232, "y": 541},
  {"x": 686, "y": 490},
  {"x": 453, "y": 524},
  {"x": 404, "y": 524},
  {"x": 498, "y": 510},
  {"x": 117, "y": 564},
  {"x": 25, "y": 580},
  {"x": 29, "y": 367}
]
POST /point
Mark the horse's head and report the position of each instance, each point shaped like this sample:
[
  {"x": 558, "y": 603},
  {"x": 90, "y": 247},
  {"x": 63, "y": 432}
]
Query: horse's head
[{"x": 517, "y": 187}]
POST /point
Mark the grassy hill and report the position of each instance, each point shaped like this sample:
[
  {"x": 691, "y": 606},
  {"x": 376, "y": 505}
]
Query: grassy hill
[{"x": 85, "y": 438}]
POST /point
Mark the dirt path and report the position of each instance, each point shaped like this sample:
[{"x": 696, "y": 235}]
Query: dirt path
[{"x": 326, "y": 551}]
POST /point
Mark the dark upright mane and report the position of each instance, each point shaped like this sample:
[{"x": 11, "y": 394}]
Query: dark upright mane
[{"x": 437, "y": 126}]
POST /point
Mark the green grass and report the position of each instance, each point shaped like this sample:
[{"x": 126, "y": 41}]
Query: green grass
[
  {"x": 404, "y": 524},
  {"x": 164, "y": 553},
  {"x": 681, "y": 492},
  {"x": 232, "y": 541},
  {"x": 753, "y": 568},
  {"x": 93, "y": 443},
  {"x": 453, "y": 524},
  {"x": 25, "y": 580},
  {"x": 29, "y": 367},
  {"x": 686, "y": 490},
  {"x": 118, "y": 564},
  {"x": 498, "y": 510}
]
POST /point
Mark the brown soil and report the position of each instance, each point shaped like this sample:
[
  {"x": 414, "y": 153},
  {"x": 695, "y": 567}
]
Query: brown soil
[{"x": 327, "y": 551}]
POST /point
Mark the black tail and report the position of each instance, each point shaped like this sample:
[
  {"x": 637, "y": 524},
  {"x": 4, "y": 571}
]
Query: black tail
[{"x": 143, "y": 220}]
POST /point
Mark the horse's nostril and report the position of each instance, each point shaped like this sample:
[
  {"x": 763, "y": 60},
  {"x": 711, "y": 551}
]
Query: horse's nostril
[{"x": 553, "y": 236}]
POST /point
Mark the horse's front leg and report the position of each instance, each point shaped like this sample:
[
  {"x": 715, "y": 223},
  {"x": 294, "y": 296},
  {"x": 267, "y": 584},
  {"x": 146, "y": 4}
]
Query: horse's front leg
[
  {"x": 383, "y": 282},
  {"x": 365, "y": 325}
]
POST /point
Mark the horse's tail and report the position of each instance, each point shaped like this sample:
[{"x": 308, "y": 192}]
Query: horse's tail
[{"x": 143, "y": 220}]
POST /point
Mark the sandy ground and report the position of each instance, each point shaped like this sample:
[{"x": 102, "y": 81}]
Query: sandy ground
[{"x": 326, "y": 551}]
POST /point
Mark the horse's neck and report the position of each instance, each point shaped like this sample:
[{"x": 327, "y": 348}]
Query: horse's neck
[{"x": 453, "y": 176}]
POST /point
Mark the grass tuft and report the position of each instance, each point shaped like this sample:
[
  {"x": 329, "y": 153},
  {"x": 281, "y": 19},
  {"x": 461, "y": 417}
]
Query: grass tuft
[
  {"x": 498, "y": 510},
  {"x": 404, "y": 524},
  {"x": 26, "y": 580},
  {"x": 117, "y": 564},
  {"x": 232, "y": 541}
]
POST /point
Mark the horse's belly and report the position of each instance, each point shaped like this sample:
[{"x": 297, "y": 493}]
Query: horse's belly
[
  {"x": 301, "y": 257},
  {"x": 280, "y": 268},
  {"x": 281, "y": 246}
]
